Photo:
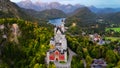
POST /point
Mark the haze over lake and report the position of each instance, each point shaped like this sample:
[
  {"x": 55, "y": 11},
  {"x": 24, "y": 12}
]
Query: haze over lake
[{"x": 56, "y": 21}]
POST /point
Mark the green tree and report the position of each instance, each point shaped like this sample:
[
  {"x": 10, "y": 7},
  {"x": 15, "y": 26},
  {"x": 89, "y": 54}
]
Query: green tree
[
  {"x": 88, "y": 61},
  {"x": 110, "y": 57}
]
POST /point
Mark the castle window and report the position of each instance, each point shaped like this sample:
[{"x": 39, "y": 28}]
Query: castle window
[
  {"x": 62, "y": 57},
  {"x": 51, "y": 57}
]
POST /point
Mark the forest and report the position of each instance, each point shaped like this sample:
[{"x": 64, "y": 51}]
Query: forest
[
  {"x": 31, "y": 49},
  {"x": 33, "y": 44},
  {"x": 88, "y": 51}
]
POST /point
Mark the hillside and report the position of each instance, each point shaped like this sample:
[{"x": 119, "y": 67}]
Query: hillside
[
  {"x": 113, "y": 18},
  {"x": 9, "y": 9},
  {"x": 52, "y": 13},
  {"x": 82, "y": 16},
  {"x": 46, "y": 14},
  {"x": 23, "y": 43}
]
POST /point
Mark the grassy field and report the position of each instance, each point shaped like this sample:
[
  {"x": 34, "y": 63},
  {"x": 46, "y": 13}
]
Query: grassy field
[
  {"x": 113, "y": 38},
  {"x": 115, "y": 29}
]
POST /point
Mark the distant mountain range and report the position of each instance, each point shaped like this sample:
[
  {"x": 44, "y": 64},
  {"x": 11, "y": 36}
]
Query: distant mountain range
[
  {"x": 39, "y": 6},
  {"x": 103, "y": 10},
  {"x": 9, "y": 9},
  {"x": 77, "y": 13}
]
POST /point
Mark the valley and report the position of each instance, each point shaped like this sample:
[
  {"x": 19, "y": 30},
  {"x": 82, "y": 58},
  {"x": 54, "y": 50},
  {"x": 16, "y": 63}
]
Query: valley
[{"x": 31, "y": 31}]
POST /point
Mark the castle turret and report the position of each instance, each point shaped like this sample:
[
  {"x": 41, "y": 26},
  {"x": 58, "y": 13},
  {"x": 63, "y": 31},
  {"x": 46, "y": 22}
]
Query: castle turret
[{"x": 62, "y": 26}]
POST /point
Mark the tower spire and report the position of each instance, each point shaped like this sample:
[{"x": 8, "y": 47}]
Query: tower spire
[{"x": 62, "y": 25}]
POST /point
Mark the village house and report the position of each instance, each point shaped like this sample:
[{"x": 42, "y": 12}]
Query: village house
[
  {"x": 2, "y": 27},
  {"x": 96, "y": 38},
  {"x": 98, "y": 63}
]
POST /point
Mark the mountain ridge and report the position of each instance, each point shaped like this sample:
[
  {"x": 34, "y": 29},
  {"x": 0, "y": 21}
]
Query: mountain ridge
[
  {"x": 81, "y": 17},
  {"x": 68, "y": 8},
  {"x": 9, "y": 9},
  {"x": 104, "y": 10},
  {"x": 40, "y": 6}
]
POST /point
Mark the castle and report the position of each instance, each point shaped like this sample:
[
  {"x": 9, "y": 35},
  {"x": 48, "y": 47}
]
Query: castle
[{"x": 58, "y": 45}]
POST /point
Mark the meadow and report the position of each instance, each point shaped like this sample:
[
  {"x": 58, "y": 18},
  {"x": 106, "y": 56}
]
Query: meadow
[
  {"x": 113, "y": 38},
  {"x": 117, "y": 29}
]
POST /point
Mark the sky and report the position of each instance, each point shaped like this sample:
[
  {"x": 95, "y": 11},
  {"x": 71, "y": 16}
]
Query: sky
[{"x": 96, "y": 3}]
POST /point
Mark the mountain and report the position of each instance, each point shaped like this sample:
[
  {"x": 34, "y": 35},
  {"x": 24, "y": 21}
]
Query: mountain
[
  {"x": 10, "y": 9},
  {"x": 113, "y": 18},
  {"x": 51, "y": 13},
  {"x": 40, "y": 6},
  {"x": 46, "y": 14},
  {"x": 82, "y": 16},
  {"x": 27, "y": 3},
  {"x": 104, "y": 10}
]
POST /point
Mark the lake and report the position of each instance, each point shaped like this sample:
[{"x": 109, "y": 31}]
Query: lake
[{"x": 56, "y": 21}]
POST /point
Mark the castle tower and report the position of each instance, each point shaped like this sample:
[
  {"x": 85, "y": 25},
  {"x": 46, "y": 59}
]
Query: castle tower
[{"x": 62, "y": 26}]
